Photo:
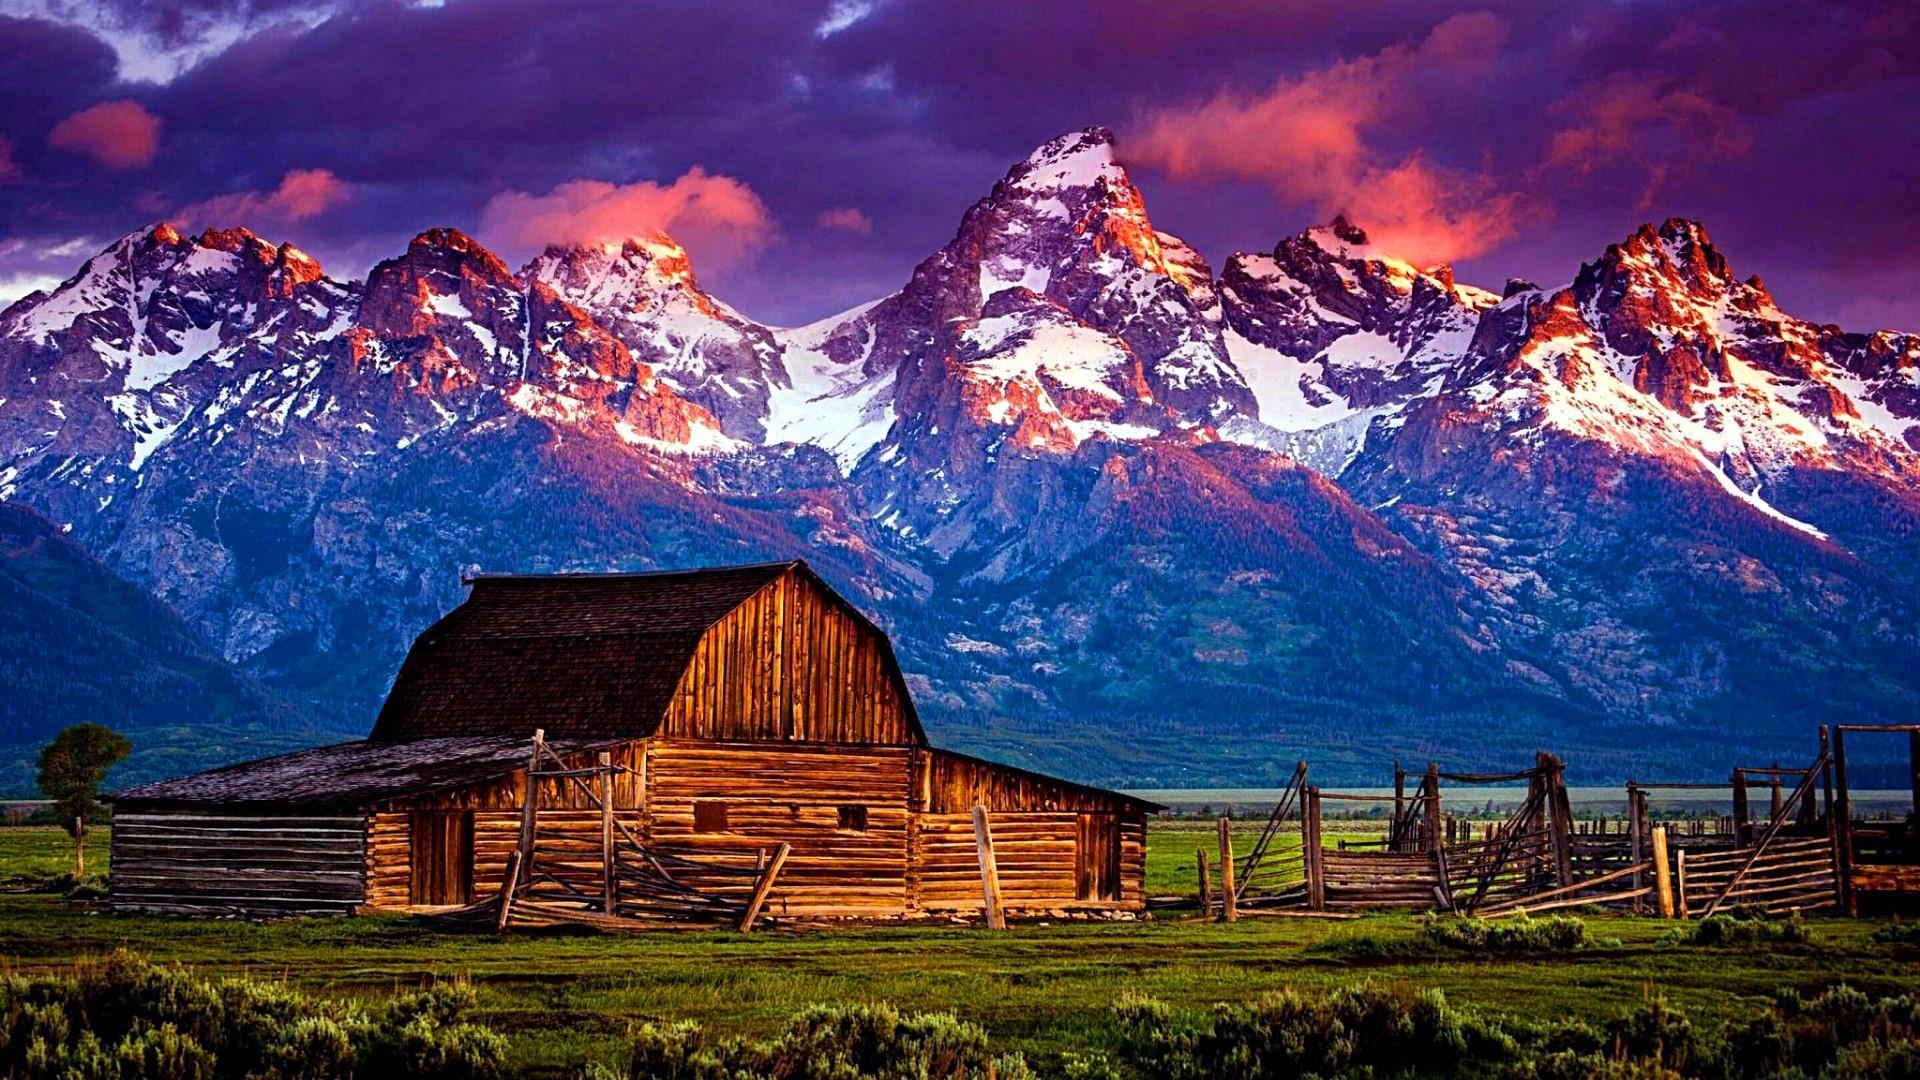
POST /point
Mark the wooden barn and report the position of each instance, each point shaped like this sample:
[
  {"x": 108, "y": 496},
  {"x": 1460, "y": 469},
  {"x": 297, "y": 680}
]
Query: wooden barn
[{"x": 731, "y": 710}]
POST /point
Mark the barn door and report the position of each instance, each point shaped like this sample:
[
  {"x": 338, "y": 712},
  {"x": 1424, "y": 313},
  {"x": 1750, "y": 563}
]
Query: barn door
[
  {"x": 442, "y": 858},
  {"x": 1097, "y": 861}
]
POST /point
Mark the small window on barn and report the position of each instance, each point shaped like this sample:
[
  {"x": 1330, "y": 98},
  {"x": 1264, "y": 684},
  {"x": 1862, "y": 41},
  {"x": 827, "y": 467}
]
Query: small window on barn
[
  {"x": 853, "y": 819},
  {"x": 709, "y": 817}
]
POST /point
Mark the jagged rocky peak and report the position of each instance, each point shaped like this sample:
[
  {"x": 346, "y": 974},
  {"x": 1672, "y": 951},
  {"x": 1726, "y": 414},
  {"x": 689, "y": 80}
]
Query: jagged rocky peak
[
  {"x": 630, "y": 275},
  {"x": 643, "y": 290},
  {"x": 1335, "y": 333}
]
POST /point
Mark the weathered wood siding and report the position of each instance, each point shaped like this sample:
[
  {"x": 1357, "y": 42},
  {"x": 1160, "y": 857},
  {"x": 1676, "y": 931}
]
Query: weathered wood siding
[
  {"x": 567, "y": 818},
  {"x": 791, "y": 794},
  {"x": 215, "y": 863},
  {"x": 790, "y": 664},
  {"x": 915, "y": 854}
]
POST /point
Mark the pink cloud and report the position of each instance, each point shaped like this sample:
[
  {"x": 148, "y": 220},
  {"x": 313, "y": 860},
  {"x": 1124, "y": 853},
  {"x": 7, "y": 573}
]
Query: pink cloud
[
  {"x": 1646, "y": 122},
  {"x": 301, "y": 194},
  {"x": 9, "y": 168},
  {"x": 118, "y": 134},
  {"x": 846, "y": 218},
  {"x": 1307, "y": 137},
  {"x": 716, "y": 217}
]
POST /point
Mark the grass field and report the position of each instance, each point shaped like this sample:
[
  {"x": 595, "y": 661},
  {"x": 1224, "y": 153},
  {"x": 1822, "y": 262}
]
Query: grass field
[{"x": 1041, "y": 989}]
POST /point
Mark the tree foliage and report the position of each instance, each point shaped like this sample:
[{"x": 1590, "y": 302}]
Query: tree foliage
[{"x": 73, "y": 766}]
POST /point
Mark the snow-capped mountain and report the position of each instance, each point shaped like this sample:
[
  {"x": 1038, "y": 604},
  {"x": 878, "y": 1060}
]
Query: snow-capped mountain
[
  {"x": 1335, "y": 336},
  {"x": 644, "y": 292},
  {"x": 1089, "y": 485}
]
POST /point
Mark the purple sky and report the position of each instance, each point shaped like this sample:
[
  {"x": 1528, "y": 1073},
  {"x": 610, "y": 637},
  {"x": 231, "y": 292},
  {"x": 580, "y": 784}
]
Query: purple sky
[{"x": 810, "y": 153}]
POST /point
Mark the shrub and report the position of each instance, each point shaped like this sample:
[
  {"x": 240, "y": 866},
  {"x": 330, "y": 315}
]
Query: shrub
[
  {"x": 828, "y": 1043},
  {"x": 1898, "y": 933},
  {"x": 1556, "y": 933},
  {"x": 126, "y": 1018},
  {"x": 1350, "y": 1031},
  {"x": 1741, "y": 926}
]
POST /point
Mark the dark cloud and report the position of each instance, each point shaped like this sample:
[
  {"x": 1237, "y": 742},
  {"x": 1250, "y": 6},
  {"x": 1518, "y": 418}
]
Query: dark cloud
[{"x": 1786, "y": 125}]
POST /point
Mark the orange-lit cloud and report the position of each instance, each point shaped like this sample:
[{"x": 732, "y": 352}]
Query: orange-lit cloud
[
  {"x": 1308, "y": 138},
  {"x": 301, "y": 194},
  {"x": 1618, "y": 118},
  {"x": 717, "y": 217},
  {"x": 847, "y": 219},
  {"x": 118, "y": 134}
]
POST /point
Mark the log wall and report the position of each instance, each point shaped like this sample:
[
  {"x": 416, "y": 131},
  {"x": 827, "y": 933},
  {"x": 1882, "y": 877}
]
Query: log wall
[
  {"x": 905, "y": 860},
  {"x": 792, "y": 663},
  {"x": 221, "y": 863},
  {"x": 776, "y": 794}
]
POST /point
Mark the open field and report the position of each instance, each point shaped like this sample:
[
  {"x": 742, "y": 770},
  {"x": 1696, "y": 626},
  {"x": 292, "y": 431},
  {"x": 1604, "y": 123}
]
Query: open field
[{"x": 1041, "y": 989}]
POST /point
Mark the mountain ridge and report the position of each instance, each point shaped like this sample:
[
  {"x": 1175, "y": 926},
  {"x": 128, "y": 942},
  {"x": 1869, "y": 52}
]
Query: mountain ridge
[{"x": 1075, "y": 471}]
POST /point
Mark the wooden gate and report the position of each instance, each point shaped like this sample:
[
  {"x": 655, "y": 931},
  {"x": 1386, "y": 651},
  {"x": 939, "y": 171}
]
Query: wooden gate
[{"x": 1788, "y": 875}]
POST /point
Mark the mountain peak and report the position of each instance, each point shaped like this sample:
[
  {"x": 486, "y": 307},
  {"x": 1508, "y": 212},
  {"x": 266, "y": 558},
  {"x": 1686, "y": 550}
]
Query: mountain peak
[
  {"x": 1075, "y": 160},
  {"x": 1677, "y": 249}
]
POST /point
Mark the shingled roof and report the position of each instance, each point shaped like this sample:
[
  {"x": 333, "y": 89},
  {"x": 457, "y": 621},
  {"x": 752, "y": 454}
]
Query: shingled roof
[
  {"x": 592, "y": 656},
  {"x": 345, "y": 775}
]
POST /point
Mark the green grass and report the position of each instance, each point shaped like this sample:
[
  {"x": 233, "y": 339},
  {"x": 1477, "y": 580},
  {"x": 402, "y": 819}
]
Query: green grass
[
  {"x": 1041, "y": 989},
  {"x": 31, "y": 856}
]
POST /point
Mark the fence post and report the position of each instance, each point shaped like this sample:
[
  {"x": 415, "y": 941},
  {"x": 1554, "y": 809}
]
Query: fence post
[
  {"x": 610, "y": 873},
  {"x": 1843, "y": 819},
  {"x": 1227, "y": 908},
  {"x": 1680, "y": 884},
  {"x": 1206, "y": 881},
  {"x": 1311, "y": 853},
  {"x": 1741, "y": 813},
  {"x": 1636, "y": 846},
  {"x": 989, "y": 869},
  {"x": 1662, "y": 874}
]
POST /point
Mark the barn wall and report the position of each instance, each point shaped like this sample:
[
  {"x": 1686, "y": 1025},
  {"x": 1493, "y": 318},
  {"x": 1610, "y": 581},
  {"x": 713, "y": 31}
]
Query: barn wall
[
  {"x": 215, "y": 863},
  {"x": 790, "y": 664},
  {"x": 567, "y": 817},
  {"x": 791, "y": 794}
]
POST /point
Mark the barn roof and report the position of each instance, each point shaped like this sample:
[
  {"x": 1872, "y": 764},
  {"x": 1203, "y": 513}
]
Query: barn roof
[
  {"x": 588, "y": 655},
  {"x": 349, "y": 774}
]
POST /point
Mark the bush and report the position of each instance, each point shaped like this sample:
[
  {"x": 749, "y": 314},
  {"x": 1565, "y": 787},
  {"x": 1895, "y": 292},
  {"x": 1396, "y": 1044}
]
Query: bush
[
  {"x": 1369, "y": 1033},
  {"x": 1351, "y": 1031},
  {"x": 827, "y": 1043},
  {"x": 1741, "y": 926},
  {"x": 126, "y": 1018},
  {"x": 1556, "y": 933},
  {"x": 1898, "y": 933}
]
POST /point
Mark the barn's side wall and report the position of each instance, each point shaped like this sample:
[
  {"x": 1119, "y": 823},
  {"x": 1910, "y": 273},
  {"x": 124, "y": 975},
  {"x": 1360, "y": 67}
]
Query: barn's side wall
[
  {"x": 915, "y": 854},
  {"x": 791, "y": 794},
  {"x": 790, "y": 664},
  {"x": 567, "y": 815},
  {"x": 195, "y": 862},
  {"x": 1039, "y": 827}
]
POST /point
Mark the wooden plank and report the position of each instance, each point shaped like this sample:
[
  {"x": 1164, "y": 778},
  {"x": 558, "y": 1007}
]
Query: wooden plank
[
  {"x": 1227, "y": 892},
  {"x": 1662, "y": 883},
  {"x": 762, "y": 888},
  {"x": 989, "y": 870}
]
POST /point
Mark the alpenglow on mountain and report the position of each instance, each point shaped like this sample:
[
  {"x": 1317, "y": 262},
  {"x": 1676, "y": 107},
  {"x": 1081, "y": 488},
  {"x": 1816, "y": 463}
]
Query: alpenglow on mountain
[{"x": 1127, "y": 517}]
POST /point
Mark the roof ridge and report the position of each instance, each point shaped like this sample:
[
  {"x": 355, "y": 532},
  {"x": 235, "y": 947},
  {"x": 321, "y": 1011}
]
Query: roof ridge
[{"x": 615, "y": 575}]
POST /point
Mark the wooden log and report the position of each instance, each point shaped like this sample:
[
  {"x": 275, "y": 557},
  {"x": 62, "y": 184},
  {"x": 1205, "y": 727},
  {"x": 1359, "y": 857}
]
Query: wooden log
[
  {"x": 1662, "y": 882},
  {"x": 1843, "y": 821},
  {"x": 765, "y": 886},
  {"x": 1206, "y": 884},
  {"x": 1741, "y": 812},
  {"x": 1680, "y": 882},
  {"x": 989, "y": 869},
  {"x": 610, "y": 876},
  {"x": 1227, "y": 895},
  {"x": 507, "y": 889},
  {"x": 1313, "y": 855}
]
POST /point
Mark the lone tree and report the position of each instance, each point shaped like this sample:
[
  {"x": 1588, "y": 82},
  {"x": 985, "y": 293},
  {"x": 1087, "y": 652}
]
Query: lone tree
[{"x": 72, "y": 767}]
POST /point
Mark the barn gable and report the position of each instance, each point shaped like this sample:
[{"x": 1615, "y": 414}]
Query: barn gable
[{"x": 613, "y": 656}]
